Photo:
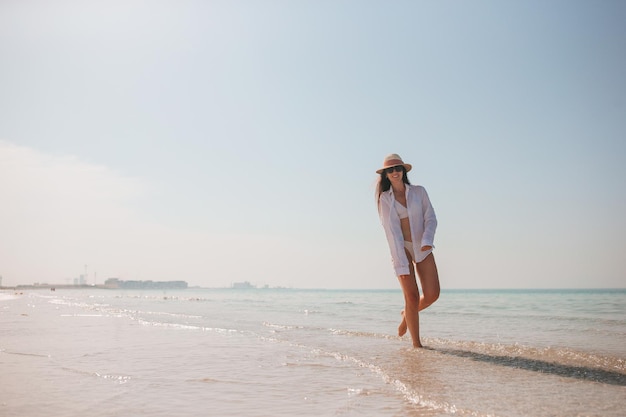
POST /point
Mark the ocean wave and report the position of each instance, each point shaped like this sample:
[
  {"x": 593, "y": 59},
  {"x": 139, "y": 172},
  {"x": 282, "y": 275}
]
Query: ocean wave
[
  {"x": 281, "y": 326},
  {"x": 404, "y": 388},
  {"x": 36, "y": 355},
  {"x": 182, "y": 326},
  {"x": 6, "y": 297},
  {"x": 355, "y": 333}
]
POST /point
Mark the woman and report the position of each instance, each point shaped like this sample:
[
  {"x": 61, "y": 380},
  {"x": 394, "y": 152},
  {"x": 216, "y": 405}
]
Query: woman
[{"x": 409, "y": 222}]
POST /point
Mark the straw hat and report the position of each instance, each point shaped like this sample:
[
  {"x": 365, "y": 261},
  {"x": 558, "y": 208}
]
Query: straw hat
[{"x": 393, "y": 160}]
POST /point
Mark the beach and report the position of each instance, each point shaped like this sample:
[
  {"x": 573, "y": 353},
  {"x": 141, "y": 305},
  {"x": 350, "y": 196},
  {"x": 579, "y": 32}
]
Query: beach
[{"x": 286, "y": 352}]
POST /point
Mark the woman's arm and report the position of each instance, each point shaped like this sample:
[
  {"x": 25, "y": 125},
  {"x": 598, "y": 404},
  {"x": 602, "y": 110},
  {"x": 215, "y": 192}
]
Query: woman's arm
[{"x": 430, "y": 222}]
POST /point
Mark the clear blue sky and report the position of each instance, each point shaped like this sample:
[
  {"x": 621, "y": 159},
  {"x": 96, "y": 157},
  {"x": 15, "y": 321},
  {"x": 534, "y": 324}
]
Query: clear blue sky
[{"x": 223, "y": 141}]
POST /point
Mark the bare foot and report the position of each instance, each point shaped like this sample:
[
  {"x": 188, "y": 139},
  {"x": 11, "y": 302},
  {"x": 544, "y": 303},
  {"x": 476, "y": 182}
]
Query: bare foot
[{"x": 402, "y": 327}]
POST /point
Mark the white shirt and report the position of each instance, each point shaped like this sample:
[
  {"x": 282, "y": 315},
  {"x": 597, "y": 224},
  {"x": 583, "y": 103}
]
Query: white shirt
[{"x": 422, "y": 220}]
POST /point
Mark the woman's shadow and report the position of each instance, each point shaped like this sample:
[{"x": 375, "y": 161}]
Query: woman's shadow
[{"x": 567, "y": 371}]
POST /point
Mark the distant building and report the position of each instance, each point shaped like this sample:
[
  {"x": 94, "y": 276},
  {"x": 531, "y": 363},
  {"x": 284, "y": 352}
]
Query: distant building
[
  {"x": 81, "y": 280},
  {"x": 112, "y": 283},
  {"x": 245, "y": 284},
  {"x": 144, "y": 285}
]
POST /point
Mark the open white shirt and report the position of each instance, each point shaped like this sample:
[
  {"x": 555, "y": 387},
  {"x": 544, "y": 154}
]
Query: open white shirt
[{"x": 422, "y": 220}]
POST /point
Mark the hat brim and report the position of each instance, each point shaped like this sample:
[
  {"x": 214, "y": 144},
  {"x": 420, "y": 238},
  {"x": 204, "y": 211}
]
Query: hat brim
[{"x": 407, "y": 168}]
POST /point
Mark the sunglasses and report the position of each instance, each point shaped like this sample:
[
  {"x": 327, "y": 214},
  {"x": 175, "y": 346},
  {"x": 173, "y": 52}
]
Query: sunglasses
[{"x": 397, "y": 168}]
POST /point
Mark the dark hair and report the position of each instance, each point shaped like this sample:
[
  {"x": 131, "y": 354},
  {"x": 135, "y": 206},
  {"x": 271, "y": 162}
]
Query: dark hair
[{"x": 383, "y": 183}]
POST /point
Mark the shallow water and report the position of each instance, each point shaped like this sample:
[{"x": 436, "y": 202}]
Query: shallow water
[{"x": 311, "y": 353}]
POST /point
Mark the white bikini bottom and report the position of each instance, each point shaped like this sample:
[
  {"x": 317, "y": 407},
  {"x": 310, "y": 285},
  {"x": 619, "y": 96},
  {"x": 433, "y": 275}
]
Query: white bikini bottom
[
  {"x": 422, "y": 255},
  {"x": 409, "y": 246}
]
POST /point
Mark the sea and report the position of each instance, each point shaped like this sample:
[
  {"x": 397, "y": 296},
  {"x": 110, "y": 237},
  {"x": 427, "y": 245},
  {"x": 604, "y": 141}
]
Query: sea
[{"x": 288, "y": 352}]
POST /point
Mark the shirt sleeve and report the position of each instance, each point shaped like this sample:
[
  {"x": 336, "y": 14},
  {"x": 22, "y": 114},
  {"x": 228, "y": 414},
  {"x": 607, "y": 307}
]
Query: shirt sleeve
[
  {"x": 430, "y": 220},
  {"x": 399, "y": 259}
]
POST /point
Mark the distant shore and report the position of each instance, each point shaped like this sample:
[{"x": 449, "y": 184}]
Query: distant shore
[
  {"x": 50, "y": 286},
  {"x": 111, "y": 283}
]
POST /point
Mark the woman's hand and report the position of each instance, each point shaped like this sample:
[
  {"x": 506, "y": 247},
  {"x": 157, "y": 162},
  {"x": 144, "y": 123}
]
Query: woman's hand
[{"x": 425, "y": 248}]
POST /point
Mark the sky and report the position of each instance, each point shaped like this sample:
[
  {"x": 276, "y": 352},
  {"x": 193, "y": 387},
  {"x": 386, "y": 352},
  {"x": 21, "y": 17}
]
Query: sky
[{"x": 226, "y": 141}]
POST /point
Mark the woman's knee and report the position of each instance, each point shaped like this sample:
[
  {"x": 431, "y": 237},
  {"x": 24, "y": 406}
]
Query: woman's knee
[
  {"x": 410, "y": 290},
  {"x": 429, "y": 277},
  {"x": 431, "y": 295},
  {"x": 412, "y": 301}
]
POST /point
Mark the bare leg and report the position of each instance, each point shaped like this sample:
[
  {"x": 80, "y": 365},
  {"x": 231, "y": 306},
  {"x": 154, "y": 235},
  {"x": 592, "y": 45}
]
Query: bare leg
[
  {"x": 411, "y": 304},
  {"x": 429, "y": 278},
  {"x": 411, "y": 300}
]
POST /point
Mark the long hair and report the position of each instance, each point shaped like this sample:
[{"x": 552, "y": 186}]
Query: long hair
[{"x": 383, "y": 184}]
